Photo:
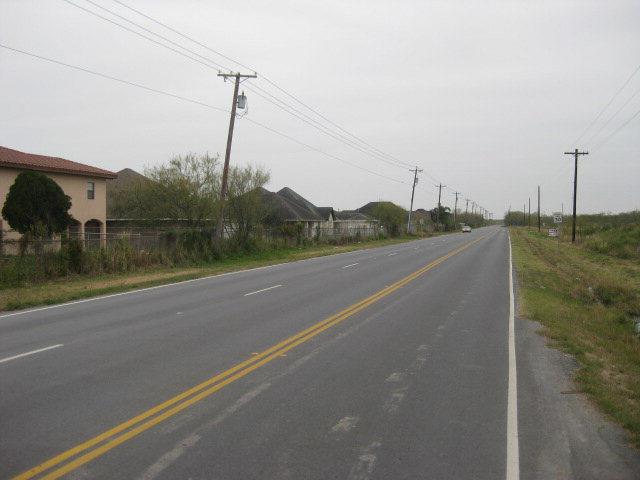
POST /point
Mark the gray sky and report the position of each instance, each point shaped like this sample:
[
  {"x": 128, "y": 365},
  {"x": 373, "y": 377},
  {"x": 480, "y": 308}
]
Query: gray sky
[{"x": 485, "y": 96}]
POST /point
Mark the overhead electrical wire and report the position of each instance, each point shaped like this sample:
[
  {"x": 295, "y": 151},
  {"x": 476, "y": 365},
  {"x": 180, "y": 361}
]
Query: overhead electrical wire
[
  {"x": 603, "y": 126},
  {"x": 115, "y": 79},
  {"x": 379, "y": 153},
  {"x": 608, "y": 137},
  {"x": 615, "y": 95},
  {"x": 313, "y": 123},
  {"x": 204, "y": 62},
  {"x": 357, "y": 143},
  {"x": 197, "y": 102},
  {"x": 263, "y": 77},
  {"x": 95, "y": 14}
]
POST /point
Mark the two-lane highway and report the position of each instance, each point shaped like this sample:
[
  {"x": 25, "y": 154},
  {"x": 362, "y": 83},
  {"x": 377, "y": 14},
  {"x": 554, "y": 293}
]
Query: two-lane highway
[{"x": 384, "y": 363}]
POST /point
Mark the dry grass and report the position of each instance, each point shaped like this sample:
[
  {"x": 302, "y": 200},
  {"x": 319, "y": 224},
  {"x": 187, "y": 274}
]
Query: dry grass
[{"x": 586, "y": 302}]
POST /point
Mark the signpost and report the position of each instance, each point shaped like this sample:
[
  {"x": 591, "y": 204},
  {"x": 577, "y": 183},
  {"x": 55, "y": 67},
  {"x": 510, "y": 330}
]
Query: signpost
[{"x": 556, "y": 232}]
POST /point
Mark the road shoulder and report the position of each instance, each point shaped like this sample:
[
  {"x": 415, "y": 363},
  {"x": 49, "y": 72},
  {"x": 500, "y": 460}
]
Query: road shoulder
[{"x": 562, "y": 434}]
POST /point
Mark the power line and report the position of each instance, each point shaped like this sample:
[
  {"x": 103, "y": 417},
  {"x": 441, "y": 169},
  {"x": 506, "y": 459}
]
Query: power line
[
  {"x": 90, "y": 12},
  {"x": 319, "y": 126},
  {"x": 602, "y": 127},
  {"x": 184, "y": 36},
  {"x": 288, "y": 108},
  {"x": 606, "y": 106},
  {"x": 115, "y": 79},
  {"x": 203, "y": 104},
  {"x": 266, "y": 79},
  {"x": 372, "y": 150},
  {"x": 608, "y": 137}
]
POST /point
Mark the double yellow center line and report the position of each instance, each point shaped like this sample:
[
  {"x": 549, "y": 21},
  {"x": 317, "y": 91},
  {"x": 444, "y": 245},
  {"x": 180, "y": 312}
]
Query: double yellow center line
[{"x": 144, "y": 421}]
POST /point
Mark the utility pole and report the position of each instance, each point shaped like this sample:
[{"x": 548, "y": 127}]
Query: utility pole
[
  {"x": 524, "y": 214},
  {"x": 413, "y": 190},
  {"x": 455, "y": 208},
  {"x": 439, "y": 198},
  {"x": 575, "y": 153},
  {"x": 227, "y": 155},
  {"x": 466, "y": 210},
  {"x": 529, "y": 212},
  {"x": 538, "y": 208}
]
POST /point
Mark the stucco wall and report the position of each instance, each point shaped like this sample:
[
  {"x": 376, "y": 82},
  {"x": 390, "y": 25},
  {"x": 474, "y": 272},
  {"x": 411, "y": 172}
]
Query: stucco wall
[{"x": 82, "y": 209}]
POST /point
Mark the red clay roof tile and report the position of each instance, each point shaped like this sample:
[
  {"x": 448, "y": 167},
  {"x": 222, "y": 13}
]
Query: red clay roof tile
[{"x": 29, "y": 161}]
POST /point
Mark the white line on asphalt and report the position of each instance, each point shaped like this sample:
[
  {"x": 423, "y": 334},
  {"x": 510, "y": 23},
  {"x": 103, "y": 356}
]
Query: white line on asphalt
[
  {"x": 513, "y": 453},
  {"x": 262, "y": 290},
  {"x": 351, "y": 265},
  {"x": 392, "y": 254},
  {"x": 8, "y": 359}
]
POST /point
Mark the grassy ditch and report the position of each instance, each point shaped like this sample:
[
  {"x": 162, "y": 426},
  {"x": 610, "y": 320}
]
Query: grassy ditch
[
  {"x": 586, "y": 298},
  {"x": 78, "y": 286}
]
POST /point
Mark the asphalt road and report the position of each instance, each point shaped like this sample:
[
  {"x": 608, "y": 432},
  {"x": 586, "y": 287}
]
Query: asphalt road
[{"x": 387, "y": 363}]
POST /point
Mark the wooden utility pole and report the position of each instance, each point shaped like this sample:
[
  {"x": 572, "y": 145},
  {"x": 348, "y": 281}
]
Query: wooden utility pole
[
  {"x": 466, "y": 210},
  {"x": 413, "y": 191},
  {"x": 439, "y": 198},
  {"x": 538, "y": 208},
  {"x": 227, "y": 155},
  {"x": 575, "y": 153},
  {"x": 529, "y": 212},
  {"x": 455, "y": 209}
]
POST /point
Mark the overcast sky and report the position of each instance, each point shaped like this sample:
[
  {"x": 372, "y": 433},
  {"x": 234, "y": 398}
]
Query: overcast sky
[{"x": 485, "y": 96}]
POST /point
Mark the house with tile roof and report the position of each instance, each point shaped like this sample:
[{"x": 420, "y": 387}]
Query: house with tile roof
[{"x": 85, "y": 184}]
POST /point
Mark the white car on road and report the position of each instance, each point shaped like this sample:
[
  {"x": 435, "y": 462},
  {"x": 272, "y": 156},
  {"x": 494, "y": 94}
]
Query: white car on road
[{"x": 466, "y": 229}]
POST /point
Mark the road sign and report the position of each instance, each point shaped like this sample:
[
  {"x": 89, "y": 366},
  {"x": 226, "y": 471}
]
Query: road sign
[
  {"x": 553, "y": 232},
  {"x": 557, "y": 218}
]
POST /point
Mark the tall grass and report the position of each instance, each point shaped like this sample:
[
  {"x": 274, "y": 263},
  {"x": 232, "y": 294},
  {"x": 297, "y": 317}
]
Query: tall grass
[{"x": 587, "y": 304}]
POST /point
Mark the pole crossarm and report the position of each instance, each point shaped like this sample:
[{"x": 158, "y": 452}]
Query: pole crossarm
[{"x": 237, "y": 75}]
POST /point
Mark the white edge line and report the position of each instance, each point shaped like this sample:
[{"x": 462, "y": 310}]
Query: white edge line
[
  {"x": 208, "y": 277},
  {"x": 351, "y": 265},
  {"x": 513, "y": 450},
  {"x": 262, "y": 290},
  {"x": 8, "y": 359}
]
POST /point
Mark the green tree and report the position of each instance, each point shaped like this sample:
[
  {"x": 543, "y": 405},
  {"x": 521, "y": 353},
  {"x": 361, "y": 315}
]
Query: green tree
[
  {"x": 391, "y": 217},
  {"x": 244, "y": 208},
  {"x": 36, "y": 206},
  {"x": 186, "y": 189},
  {"x": 445, "y": 217}
]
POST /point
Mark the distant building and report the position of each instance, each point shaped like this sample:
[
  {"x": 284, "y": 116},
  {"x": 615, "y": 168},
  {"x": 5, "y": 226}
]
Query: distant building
[
  {"x": 85, "y": 184},
  {"x": 348, "y": 221},
  {"x": 288, "y": 207}
]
